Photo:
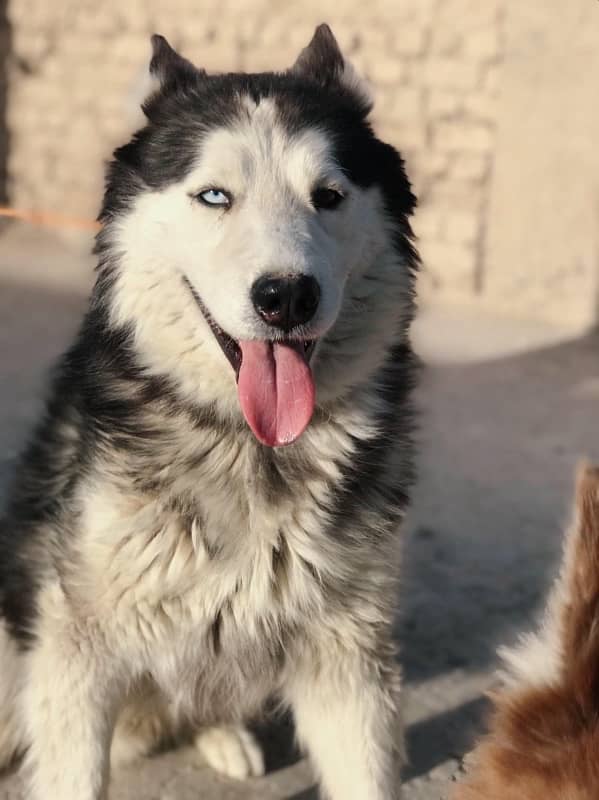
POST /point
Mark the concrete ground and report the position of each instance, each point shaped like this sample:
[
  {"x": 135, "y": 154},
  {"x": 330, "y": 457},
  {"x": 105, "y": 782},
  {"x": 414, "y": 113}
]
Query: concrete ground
[{"x": 507, "y": 410}]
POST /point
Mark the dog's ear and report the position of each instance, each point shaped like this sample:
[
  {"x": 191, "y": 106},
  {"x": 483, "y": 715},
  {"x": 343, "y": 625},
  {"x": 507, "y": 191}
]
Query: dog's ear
[
  {"x": 580, "y": 609},
  {"x": 168, "y": 68},
  {"x": 323, "y": 62},
  {"x": 168, "y": 72},
  {"x": 322, "y": 59}
]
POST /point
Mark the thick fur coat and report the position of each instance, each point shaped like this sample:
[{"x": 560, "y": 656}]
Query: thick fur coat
[
  {"x": 544, "y": 737},
  {"x": 162, "y": 570}
]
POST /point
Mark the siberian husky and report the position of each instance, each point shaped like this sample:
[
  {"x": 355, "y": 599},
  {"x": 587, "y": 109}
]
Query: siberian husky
[{"x": 207, "y": 514}]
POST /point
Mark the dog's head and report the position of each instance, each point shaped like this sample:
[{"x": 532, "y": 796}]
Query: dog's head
[{"x": 255, "y": 235}]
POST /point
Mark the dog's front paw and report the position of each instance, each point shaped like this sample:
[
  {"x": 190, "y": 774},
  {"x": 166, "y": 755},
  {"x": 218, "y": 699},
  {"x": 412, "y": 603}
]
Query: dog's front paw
[{"x": 231, "y": 750}]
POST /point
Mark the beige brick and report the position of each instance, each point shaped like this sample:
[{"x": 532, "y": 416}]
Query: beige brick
[
  {"x": 469, "y": 166},
  {"x": 427, "y": 286},
  {"x": 451, "y": 264},
  {"x": 360, "y": 60},
  {"x": 491, "y": 80},
  {"x": 273, "y": 33},
  {"x": 436, "y": 164},
  {"x": 444, "y": 103},
  {"x": 32, "y": 44},
  {"x": 40, "y": 95},
  {"x": 428, "y": 223},
  {"x": 54, "y": 69},
  {"x": 33, "y": 15},
  {"x": 461, "y": 226},
  {"x": 220, "y": 56},
  {"x": 426, "y": 166},
  {"x": 131, "y": 15},
  {"x": 129, "y": 49},
  {"x": 462, "y": 136},
  {"x": 452, "y": 73},
  {"x": 430, "y": 62},
  {"x": 468, "y": 14},
  {"x": 482, "y": 43},
  {"x": 418, "y": 12},
  {"x": 447, "y": 194},
  {"x": 446, "y": 41},
  {"x": 98, "y": 19},
  {"x": 409, "y": 40},
  {"x": 404, "y": 103},
  {"x": 386, "y": 69},
  {"x": 409, "y": 136},
  {"x": 375, "y": 39},
  {"x": 258, "y": 61},
  {"x": 299, "y": 36},
  {"x": 481, "y": 106}
]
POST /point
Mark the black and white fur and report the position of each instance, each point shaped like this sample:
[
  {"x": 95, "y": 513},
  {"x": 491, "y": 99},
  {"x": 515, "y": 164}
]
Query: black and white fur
[{"x": 162, "y": 571}]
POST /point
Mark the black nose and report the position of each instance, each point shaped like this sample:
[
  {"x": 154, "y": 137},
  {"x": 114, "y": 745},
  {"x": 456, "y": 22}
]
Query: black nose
[{"x": 286, "y": 302}]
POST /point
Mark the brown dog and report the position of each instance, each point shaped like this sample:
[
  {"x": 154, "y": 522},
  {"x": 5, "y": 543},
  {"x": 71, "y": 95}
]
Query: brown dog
[{"x": 544, "y": 738}]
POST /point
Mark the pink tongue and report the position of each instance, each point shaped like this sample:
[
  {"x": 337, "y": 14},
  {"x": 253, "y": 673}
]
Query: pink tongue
[{"x": 276, "y": 390}]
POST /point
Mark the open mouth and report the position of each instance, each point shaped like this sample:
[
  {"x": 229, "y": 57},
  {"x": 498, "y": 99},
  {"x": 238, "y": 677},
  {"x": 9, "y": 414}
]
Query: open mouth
[{"x": 274, "y": 381}]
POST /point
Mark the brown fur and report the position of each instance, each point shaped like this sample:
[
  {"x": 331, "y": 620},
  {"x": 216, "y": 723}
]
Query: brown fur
[{"x": 544, "y": 739}]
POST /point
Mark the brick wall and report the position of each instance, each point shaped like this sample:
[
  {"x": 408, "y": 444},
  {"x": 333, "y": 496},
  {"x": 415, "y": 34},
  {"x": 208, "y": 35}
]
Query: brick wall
[{"x": 436, "y": 67}]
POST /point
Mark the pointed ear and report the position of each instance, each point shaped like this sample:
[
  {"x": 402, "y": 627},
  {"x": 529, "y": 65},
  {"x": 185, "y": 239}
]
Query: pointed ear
[
  {"x": 167, "y": 67},
  {"x": 323, "y": 62},
  {"x": 580, "y": 613},
  {"x": 321, "y": 59}
]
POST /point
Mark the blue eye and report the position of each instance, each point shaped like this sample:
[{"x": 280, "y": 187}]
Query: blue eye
[{"x": 215, "y": 197}]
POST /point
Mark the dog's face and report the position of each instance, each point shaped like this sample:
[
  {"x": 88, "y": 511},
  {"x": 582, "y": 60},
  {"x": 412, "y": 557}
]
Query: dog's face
[{"x": 244, "y": 217}]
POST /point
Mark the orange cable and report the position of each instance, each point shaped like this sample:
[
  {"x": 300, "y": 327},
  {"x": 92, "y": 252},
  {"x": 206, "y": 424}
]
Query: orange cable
[{"x": 49, "y": 219}]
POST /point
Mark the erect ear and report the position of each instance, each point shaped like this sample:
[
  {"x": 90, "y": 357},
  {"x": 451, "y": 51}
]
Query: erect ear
[
  {"x": 168, "y": 71},
  {"x": 167, "y": 67},
  {"x": 580, "y": 575},
  {"x": 323, "y": 62},
  {"x": 321, "y": 59}
]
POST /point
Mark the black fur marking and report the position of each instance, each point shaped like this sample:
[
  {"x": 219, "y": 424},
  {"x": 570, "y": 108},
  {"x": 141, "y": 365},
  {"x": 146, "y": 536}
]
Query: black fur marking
[
  {"x": 366, "y": 480},
  {"x": 102, "y": 399},
  {"x": 169, "y": 67},
  {"x": 215, "y": 633},
  {"x": 182, "y": 113},
  {"x": 280, "y": 560},
  {"x": 321, "y": 61}
]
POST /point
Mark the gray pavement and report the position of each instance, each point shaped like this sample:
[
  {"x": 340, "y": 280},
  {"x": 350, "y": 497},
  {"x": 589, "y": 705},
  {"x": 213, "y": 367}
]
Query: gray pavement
[{"x": 507, "y": 410}]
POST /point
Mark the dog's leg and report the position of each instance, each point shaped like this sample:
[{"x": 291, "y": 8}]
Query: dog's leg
[
  {"x": 145, "y": 723},
  {"x": 345, "y": 707},
  {"x": 231, "y": 750},
  {"x": 68, "y": 704}
]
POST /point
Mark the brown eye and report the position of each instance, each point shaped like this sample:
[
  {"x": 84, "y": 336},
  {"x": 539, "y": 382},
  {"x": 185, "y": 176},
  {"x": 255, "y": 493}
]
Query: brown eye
[{"x": 326, "y": 198}]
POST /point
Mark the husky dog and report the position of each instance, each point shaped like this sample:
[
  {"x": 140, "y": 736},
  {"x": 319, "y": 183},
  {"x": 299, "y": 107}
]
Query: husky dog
[
  {"x": 165, "y": 563},
  {"x": 544, "y": 739}
]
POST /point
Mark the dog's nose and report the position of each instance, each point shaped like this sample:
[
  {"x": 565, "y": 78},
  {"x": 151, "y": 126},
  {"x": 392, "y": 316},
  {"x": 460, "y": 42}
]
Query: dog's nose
[{"x": 287, "y": 301}]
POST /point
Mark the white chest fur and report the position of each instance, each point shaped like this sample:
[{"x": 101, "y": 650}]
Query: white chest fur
[{"x": 220, "y": 572}]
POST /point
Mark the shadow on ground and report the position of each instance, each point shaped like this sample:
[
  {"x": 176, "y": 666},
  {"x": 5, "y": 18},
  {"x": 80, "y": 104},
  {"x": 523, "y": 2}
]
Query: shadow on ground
[{"x": 499, "y": 442}]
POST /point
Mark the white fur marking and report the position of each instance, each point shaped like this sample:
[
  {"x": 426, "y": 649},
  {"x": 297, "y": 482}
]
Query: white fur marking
[{"x": 232, "y": 751}]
